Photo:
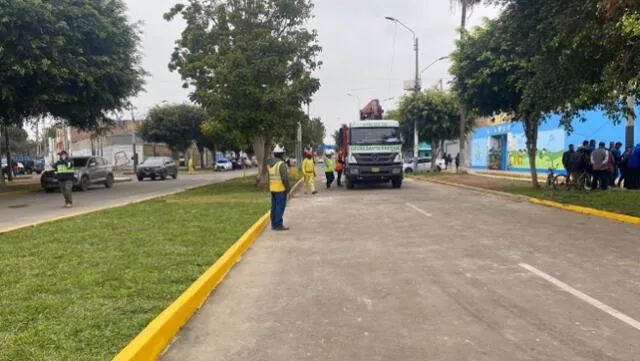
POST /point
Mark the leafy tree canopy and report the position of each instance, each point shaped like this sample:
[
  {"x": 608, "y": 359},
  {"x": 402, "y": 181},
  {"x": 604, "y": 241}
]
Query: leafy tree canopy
[
  {"x": 250, "y": 64},
  {"x": 178, "y": 126},
  {"x": 72, "y": 59}
]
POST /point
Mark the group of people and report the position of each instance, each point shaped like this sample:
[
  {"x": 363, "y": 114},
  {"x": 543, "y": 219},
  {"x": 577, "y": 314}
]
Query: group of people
[
  {"x": 330, "y": 170},
  {"x": 448, "y": 159},
  {"x": 606, "y": 167}
]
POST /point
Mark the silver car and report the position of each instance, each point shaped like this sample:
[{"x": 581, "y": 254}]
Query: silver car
[{"x": 88, "y": 171}]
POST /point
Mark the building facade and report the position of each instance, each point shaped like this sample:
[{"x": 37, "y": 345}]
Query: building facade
[{"x": 502, "y": 146}]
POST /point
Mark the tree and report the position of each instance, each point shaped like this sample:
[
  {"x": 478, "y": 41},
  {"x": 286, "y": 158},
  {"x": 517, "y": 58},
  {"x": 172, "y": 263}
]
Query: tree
[
  {"x": 250, "y": 64},
  {"x": 465, "y": 6},
  {"x": 18, "y": 140},
  {"x": 179, "y": 127},
  {"x": 437, "y": 114},
  {"x": 338, "y": 138},
  {"x": 72, "y": 59}
]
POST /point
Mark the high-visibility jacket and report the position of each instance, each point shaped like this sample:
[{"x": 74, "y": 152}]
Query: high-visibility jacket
[
  {"x": 64, "y": 170},
  {"x": 275, "y": 180},
  {"x": 339, "y": 164},
  {"x": 308, "y": 167},
  {"x": 328, "y": 166}
]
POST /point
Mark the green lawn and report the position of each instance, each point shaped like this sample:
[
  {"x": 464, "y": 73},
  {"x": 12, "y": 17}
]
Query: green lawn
[
  {"x": 617, "y": 201},
  {"x": 82, "y": 288}
]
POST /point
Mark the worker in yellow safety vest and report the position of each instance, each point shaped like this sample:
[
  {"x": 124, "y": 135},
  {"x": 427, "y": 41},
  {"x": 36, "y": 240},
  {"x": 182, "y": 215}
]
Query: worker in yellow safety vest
[
  {"x": 309, "y": 173},
  {"x": 328, "y": 169},
  {"x": 279, "y": 187}
]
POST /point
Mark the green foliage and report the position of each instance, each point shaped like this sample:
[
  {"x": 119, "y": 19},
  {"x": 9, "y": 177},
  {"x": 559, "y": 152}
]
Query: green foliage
[
  {"x": 18, "y": 141},
  {"x": 72, "y": 59},
  {"x": 249, "y": 63},
  {"x": 313, "y": 132},
  {"x": 437, "y": 114},
  {"x": 178, "y": 126},
  {"x": 338, "y": 139}
]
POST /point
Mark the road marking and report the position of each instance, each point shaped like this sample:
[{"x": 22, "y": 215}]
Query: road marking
[
  {"x": 418, "y": 209},
  {"x": 588, "y": 299}
]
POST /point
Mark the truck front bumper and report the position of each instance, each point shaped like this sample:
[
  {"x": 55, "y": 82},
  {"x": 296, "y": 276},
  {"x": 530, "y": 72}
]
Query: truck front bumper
[{"x": 374, "y": 172}]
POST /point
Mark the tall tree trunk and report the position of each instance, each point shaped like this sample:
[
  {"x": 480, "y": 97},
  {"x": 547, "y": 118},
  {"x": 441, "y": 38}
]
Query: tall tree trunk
[
  {"x": 435, "y": 151},
  {"x": 201, "y": 151},
  {"x": 262, "y": 147},
  {"x": 531, "y": 132},
  {"x": 9, "y": 165}
]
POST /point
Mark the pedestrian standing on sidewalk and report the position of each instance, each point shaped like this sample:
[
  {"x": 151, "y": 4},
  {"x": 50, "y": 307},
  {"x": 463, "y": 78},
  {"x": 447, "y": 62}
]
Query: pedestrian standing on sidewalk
[
  {"x": 66, "y": 176},
  {"x": 624, "y": 167},
  {"x": 328, "y": 170},
  {"x": 568, "y": 162},
  {"x": 457, "y": 161},
  {"x": 600, "y": 165},
  {"x": 339, "y": 167},
  {"x": 279, "y": 187},
  {"x": 309, "y": 173},
  {"x": 633, "y": 176}
]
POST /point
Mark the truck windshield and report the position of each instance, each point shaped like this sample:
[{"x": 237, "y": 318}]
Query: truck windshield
[{"x": 375, "y": 136}]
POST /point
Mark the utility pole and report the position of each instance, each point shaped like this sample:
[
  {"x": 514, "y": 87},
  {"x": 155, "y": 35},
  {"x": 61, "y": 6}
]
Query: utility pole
[
  {"x": 630, "y": 128},
  {"x": 133, "y": 140},
  {"x": 416, "y": 87}
]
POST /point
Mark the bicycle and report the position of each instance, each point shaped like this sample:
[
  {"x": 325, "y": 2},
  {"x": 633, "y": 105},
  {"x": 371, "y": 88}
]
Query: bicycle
[{"x": 582, "y": 182}]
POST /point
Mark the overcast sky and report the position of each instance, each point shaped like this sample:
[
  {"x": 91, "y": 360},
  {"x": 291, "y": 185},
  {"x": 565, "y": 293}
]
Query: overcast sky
[{"x": 363, "y": 53}]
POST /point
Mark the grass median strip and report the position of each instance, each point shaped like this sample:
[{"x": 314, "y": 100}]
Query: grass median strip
[
  {"x": 82, "y": 288},
  {"x": 614, "y": 200}
]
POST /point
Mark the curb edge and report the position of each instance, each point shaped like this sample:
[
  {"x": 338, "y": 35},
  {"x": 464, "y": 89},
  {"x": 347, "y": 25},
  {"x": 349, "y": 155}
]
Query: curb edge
[{"x": 567, "y": 207}]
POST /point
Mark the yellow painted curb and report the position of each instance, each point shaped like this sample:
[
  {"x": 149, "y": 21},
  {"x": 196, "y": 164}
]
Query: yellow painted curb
[
  {"x": 154, "y": 338},
  {"x": 471, "y": 188},
  {"x": 150, "y": 343},
  {"x": 586, "y": 210}
]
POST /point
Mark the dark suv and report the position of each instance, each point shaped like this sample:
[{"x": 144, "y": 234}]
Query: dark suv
[
  {"x": 157, "y": 167},
  {"x": 88, "y": 171}
]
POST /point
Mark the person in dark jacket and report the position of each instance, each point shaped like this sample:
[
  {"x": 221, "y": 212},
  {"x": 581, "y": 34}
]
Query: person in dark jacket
[
  {"x": 457, "y": 161},
  {"x": 633, "y": 166},
  {"x": 65, "y": 175},
  {"x": 568, "y": 161},
  {"x": 600, "y": 165},
  {"x": 624, "y": 168}
]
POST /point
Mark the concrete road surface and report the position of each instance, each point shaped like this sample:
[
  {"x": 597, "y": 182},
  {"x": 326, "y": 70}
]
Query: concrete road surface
[
  {"x": 426, "y": 272},
  {"x": 28, "y": 208}
]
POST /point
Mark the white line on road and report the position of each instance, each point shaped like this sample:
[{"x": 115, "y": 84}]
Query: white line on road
[
  {"x": 418, "y": 209},
  {"x": 590, "y": 300}
]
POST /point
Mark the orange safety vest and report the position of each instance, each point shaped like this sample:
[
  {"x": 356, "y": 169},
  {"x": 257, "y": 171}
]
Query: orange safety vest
[{"x": 339, "y": 165}]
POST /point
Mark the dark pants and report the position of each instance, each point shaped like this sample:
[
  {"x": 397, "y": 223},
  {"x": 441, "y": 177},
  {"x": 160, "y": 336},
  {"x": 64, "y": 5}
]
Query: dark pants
[
  {"x": 339, "y": 178},
  {"x": 329, "y": 176},
  {"x": 632, "y": 178},
  {"x": 66, "y": 188},
  {"x": 600, "y": 177},
  {"x": 278, "y": 204}
]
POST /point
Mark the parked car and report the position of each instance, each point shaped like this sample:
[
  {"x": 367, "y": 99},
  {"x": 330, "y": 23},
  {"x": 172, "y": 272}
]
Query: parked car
[
  {"x": 237, "y": 164},
  {"x": 223, "y": 164},
  {"x": 424, "y": 165},
  {"x": 88, "y": 171},
  {"x": 157, "y": 167}
]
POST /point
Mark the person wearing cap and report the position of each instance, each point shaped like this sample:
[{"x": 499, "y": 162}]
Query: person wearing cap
[
  {"x": 279, "y": 188},
  {"x": 65, "y": 175},
  {"x": 309, "y": 173},
  {"x": 328, "y": 169}
]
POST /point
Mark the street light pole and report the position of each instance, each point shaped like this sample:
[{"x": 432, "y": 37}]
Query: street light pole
[{"x": 416, "y": 88}]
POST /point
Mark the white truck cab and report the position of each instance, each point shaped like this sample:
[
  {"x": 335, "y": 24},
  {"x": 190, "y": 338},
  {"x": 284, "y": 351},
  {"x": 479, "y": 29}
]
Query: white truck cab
[{"x": 374, "y": 153}]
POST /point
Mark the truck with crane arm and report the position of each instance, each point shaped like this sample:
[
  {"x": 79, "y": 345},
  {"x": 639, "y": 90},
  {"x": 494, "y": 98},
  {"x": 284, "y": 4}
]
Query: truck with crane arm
[{"x": 373, "y": 149}]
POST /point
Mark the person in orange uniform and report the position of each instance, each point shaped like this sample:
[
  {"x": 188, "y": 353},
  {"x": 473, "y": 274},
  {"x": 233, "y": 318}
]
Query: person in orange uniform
[
  {"x": 309, "y": 173},
  {"x": 340, "y": 167}
]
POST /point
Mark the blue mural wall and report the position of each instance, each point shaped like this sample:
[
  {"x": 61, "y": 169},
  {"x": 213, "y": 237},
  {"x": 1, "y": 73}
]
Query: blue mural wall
[{"x": 488, "y": 148}]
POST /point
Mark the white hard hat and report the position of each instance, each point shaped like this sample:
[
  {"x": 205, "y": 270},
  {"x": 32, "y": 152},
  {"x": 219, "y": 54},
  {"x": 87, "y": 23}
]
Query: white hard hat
[{"x": 278, "y": 149}]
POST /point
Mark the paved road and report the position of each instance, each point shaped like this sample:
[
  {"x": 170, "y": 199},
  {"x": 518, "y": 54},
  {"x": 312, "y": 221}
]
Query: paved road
[
  {"x": 28, "y": 208},
  {"x": 427, "y": 272}
]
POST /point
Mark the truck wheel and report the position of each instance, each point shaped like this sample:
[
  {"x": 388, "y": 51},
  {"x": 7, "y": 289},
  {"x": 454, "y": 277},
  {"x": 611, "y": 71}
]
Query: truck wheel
[
  {"x": 85, "y": 183},
  {"x": 396, "y": 183}
]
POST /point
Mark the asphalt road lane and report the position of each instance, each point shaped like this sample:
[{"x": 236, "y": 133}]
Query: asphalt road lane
[
  {"x": 28, "y": 208},
  {"x": 426, "y": 272}
]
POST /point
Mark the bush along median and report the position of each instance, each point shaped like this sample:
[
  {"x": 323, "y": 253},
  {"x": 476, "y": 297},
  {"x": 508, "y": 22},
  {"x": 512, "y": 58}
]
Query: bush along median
[{"x": 82, "y": 288}]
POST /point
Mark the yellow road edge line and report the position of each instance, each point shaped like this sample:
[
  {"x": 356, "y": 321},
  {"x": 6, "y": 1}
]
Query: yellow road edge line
[
  {"x": 149, "y": 344},
  {"x": 586, "y": 210},
  {"x": 16, "y": 193},
  {"x": 154, "y": 338},
  {"x": 568, "y": 207}
]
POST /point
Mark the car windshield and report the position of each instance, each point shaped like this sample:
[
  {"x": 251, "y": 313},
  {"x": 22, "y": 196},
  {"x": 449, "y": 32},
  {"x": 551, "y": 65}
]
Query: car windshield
[
  {"x": 375, "y": 136},
  {"x": 223, "y": 161},
  {"x": 152, "y": 161},
  {"x": 80, "y": 162}
]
